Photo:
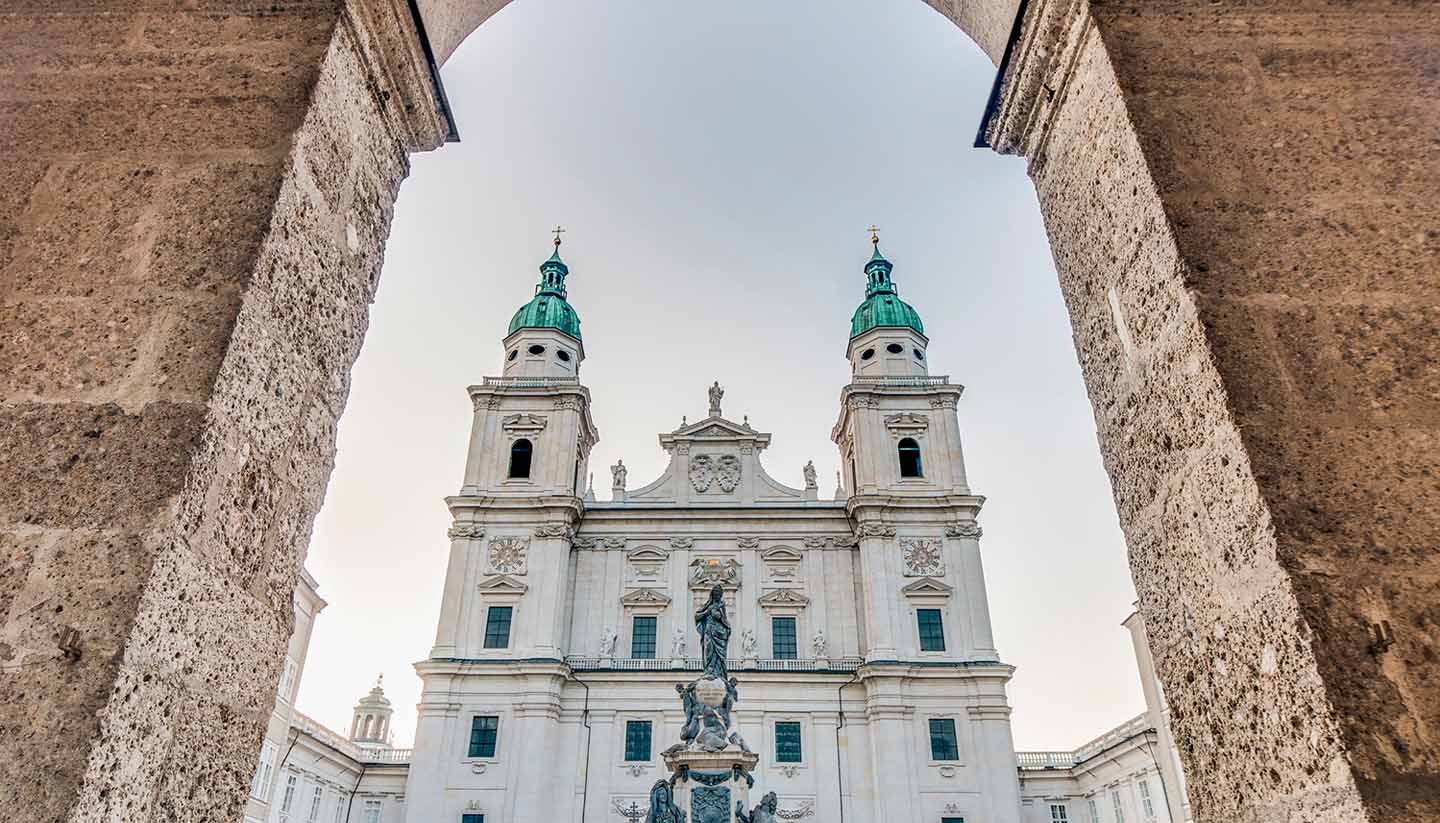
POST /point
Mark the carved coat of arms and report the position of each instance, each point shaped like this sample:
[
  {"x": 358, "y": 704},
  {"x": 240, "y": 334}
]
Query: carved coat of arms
[{"x": 708, "y": 470}]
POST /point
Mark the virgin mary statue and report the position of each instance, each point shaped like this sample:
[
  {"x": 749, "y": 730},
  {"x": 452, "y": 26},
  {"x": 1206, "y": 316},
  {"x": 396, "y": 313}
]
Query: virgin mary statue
[{"x": 714, "y": 629}]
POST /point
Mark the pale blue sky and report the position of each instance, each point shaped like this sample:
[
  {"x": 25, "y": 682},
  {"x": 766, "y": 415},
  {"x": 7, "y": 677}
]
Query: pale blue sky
[{"x": 716, "y": 165}]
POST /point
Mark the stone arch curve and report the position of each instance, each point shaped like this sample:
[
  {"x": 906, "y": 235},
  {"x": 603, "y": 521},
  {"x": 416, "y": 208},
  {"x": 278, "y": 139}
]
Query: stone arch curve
[
  {"x": 1236, "y": 197},
  {"x": 449, "y": 22}
]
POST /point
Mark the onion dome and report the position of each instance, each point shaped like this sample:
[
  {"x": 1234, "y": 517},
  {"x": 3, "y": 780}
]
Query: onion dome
[
  {"x": 548, "y": 308},
  {"x": 883, "y": 306}
]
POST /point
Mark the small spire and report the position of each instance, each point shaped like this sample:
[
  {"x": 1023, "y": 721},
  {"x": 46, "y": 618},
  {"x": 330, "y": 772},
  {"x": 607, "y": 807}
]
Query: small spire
[{"x": 559, "y": 230}]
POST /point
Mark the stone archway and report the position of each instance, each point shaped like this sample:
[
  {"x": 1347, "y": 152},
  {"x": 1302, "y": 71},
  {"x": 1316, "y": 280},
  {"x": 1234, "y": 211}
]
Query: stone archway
[{"x": 1239, "y": 198}]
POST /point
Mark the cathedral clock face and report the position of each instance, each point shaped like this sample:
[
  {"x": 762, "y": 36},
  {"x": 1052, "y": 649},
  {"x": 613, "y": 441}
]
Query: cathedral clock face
[
  {"x": 922, "y": 558},
  {"x": 507, "y": 555}
]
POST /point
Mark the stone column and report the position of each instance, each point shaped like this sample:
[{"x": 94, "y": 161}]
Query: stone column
[
  {"x": 1241, "y": 203},
  {"x": 193, "y": 206},
  {"x": 826, "y": 766}
]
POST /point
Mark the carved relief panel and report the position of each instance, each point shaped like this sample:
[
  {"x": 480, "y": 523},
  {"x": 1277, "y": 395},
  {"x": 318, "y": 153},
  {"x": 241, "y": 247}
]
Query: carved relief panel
[{"x": 646, "y": 565}]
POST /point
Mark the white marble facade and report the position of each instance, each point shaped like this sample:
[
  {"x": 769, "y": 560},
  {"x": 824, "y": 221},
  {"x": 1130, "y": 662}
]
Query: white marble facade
[{"x": 579, "y": 578}]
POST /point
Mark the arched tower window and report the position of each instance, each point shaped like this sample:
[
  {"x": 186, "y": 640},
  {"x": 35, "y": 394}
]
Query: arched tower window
[
  {"x": 910, "y": 458},
  {"x": 520, "y": 458}
]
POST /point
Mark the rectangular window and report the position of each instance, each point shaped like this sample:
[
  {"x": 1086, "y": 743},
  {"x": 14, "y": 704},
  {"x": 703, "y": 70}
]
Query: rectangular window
[
  {"x": 286, "y": 689},
  {"x": 782, "y": 638},
  {"x": 497, "y": 627},
  {"x": 1094, "y": 810},
  {"x": 787, "y": 743},
  {"x": 288, "y": 798},
  {"x": 637, "y": 740},
  {"x": 371, "y": 812},
  {"x": 642, "y": 638},
  {"x": 932, "y": 630},
  {"x": 943, "y": 745},
  {"x": 1119, "y": 810},
  {"x": 260, "y": 783},
  {"x": 340, "y": 809},
  {"x": 1145, "y": 797},
  {"x": 952, "y": 820},
  {"x": 472, "y": 818},
  {"x": 315, "y": 798},
  {"x": 484, "y": 729},
  {"x": 1057, "y": 814}
]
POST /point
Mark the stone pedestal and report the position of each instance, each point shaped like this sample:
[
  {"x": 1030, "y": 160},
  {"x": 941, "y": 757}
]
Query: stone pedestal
[{"x": 708, "y": 784}]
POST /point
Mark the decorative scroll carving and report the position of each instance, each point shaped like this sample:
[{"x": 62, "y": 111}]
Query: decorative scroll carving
[
  {"x": 583, "y": 542},
  {"x": 555, "y": 530},
  {"x": 924, "y": 556},
  {"x": 817, "y": 542},
  {"x": 964, "y": 528},
  {"x": 465, "y": 531},
  {"x": 873, "y": 529},
  {"x": 942, "y": 402},
  {"x": 572, "y": 403},
  {"x": 798, "y": 813},
  {"x": 747, "y": 542},
  {"x": 508, "y": 555},
  {"x": 682, "y": 542},
  {"x": 613, "y": 542}
]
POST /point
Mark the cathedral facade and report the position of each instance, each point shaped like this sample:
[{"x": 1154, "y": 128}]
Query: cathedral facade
[{"x": 872, "y": 689}]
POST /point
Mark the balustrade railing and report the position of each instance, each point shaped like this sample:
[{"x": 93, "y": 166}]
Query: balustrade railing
[
  {"x": 693, "y": 664},
  {"x": 531, "y": 382},
  {"x": 1065, "y": 760},
  {"x": 388, "y": 756},
  {"x": 903, "y": 380}
]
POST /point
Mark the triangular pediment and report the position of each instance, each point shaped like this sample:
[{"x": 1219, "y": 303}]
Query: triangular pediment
[
  {"x": 502, "y": 584},
  {"x": 783, "y": 597},
  {"x": 645, "y": 597},
  {"x": 716, "y": 427},
  {"x": 927, "y": 587}
]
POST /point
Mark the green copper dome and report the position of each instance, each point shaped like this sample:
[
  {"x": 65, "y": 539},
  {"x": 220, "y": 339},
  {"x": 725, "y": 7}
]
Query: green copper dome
[
  {"x": 548, "y": 309},
  {"x": 883, "y": 306}
]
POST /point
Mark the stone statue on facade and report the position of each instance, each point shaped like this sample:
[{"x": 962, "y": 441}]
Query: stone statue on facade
[
  {"x": 677, "y": 642},
  {"x": 716, "y": 395},
  {"x": 714, "y": 627},
  {"x": 818, "y": 643},
  {"x": 810, "y": 481},
  {"x": 618, "y": 473},
  {"x": 766, "y": 812},
  {"x": 607, "y": 642},
  {"x": 748, "y": 643},
  {"x": 662, "y": 805}
]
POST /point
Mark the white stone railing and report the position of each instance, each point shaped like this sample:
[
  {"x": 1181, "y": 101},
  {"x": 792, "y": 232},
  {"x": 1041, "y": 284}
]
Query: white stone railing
[
  {"x": 903, "y": 380},
  {"x": 1065, "y": 760},
  {"x": 1119, "y": 734},
  {"x": 388, "y": 755},
  {"x": 693, "y": 664},
  {"x": 531, "y": 382},
  {"x": 1045, "y": 760},
  {"x": 335, "y": 740}
]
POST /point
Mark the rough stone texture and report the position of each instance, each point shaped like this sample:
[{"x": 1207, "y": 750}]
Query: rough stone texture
[
  {"x": 192, "y": 212},
  {"x": 1240, "y": 199}
]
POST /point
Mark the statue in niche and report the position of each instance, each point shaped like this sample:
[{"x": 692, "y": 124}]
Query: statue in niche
[
  {"x": 607, "y": 642},
  {"x": 810, "y": 481},
  {"x": 714, "y": 628},
  {"x": 766, "y": 812},
  {"x": 818, "y": 643},
  {"x": 662, "y": 805},
  {"x": 716, "y": 395},
  {"x": 677, "y": 642},
  {"x": 618, "y": 473}
]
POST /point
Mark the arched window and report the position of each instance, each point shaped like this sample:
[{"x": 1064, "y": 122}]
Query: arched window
[
  {"x": 910, "y": 458},
  {"x": 520, "y": 458}
]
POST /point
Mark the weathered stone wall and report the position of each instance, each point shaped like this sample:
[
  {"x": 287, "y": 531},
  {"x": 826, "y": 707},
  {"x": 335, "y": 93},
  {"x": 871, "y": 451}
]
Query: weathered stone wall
[
  {"x": 1240, "y": 199},
  {"x": 192, "y": 212}
]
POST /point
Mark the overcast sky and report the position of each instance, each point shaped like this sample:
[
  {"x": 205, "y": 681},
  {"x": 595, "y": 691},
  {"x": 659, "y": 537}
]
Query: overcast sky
[{"x": 716, "y": 165}]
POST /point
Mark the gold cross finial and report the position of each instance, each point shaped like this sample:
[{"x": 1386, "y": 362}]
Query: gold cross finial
[
  {"x": 874, "y": 235},
  {"x": 559, "y": 230}
]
